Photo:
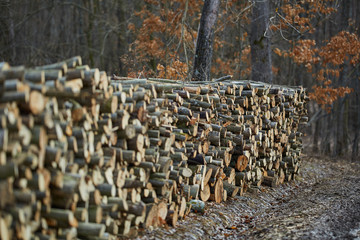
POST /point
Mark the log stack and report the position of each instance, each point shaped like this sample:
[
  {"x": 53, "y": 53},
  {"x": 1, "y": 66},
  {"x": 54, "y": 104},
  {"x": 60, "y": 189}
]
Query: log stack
[{"x": 84, "y": 155}]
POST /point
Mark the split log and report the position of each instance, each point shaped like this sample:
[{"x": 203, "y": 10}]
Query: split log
[{"x": 217, "y": 192}]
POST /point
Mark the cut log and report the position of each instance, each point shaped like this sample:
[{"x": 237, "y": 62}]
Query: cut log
[
  {"x": 205, "y": 193},
  {"x": 217, "y": 191},
  {"x": 271, "y": 181},
  {"x": 231, "y": 190},
  {"x": 152, "y": 218},
  {"x": 86, "y": 230},
  {"x": 239, "y": 162}
]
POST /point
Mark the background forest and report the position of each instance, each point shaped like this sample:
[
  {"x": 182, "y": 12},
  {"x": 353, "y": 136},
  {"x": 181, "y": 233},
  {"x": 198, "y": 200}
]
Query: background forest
[{"x": 314, "y": 43}]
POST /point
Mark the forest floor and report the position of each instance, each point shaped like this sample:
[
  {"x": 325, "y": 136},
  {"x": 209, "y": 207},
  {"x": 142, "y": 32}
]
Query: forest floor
[{"x": 322, "y": 203}]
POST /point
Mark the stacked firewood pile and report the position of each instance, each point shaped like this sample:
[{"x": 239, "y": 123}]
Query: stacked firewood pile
[{"x": 86, "y": 156}]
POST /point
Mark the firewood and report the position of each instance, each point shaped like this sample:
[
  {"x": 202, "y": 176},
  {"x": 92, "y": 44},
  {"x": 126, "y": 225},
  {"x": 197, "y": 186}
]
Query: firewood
[
  {"x": 106, "y": 156},
  {"x": 90, "y": 229},
  {"x": 172, "y": 217},
  {"x": 122, "y": 205},
  {"x": 62, "y": 218},
  {"x": 217, "y": 191},
  {"x": 231, "y": 189},
  {"x": 81, "y": 214},
  {"x": 152, "y": 218},
  {"x": 205, "y": 193}
]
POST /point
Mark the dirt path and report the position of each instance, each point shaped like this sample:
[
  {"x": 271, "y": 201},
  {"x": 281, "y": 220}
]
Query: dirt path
[{"x": 323, "y": 203}]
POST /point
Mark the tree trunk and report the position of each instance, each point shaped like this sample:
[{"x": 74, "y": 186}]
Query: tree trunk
[
  {"x": 203, "y": 53},
  {"x": 12, "y": 33},
  {"x": 316, "y": 136},
  {"x": 260, "y": 43},
  {"x": 355, "y": 146}
]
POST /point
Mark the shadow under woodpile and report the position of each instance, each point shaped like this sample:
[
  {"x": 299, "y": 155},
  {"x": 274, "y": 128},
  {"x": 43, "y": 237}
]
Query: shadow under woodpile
[{"x": 322, "y": 203}]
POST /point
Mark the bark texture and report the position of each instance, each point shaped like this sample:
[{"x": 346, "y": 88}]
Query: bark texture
[
  {"x": 260, "y": 43},
  {"x": 204, "y": 49}
]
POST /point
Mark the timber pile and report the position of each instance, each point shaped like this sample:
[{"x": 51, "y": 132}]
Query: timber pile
[{"x": 86, "y": 156}]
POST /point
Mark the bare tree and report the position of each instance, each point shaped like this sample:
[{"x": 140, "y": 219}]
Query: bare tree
[
  {"x": 260, "y": 42},
  {"x": 204, "y": 49}
]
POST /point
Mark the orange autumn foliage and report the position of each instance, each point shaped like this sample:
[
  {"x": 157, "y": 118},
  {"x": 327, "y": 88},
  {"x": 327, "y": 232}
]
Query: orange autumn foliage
[
  {"x": 343, "y": 47},
  {"x": 324, "y": 62},
  {"x": 326, "y": 95},
  {"x": 177, "y": 70},
  {"x": 299, "y": 14},
  {"x": 165, "y": 35},
  {"x": 159, "y": 48},
  {"x": 305, "y": 53}
]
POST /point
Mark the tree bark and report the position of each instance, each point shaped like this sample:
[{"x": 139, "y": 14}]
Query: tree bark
[
  {"x": 355, "y": 145},
  {"x": 204, "y": 49},
  {"x": 260, "y": 43}
]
